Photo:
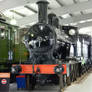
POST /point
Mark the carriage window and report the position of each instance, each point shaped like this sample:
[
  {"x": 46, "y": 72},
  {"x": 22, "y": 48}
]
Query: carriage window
[
  {"x": 78, "y": 48},
  {"x": 85, "y": 50},
  {"x": 71, "y": 51}
]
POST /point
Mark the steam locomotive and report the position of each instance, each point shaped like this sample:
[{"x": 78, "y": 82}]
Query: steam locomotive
[
  {"x": 40, "y": 41},
  {"x": 47, "y": 58}
]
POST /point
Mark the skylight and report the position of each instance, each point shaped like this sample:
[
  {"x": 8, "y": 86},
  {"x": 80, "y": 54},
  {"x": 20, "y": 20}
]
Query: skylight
[{"x": 65, "y": 16}]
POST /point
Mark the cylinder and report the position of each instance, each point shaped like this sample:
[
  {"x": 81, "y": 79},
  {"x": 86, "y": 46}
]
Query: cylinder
[{"x": 42, "y": 11}]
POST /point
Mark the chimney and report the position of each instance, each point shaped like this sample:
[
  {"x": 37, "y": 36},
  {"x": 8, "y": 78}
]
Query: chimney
[{"x": 42, "y": 11}]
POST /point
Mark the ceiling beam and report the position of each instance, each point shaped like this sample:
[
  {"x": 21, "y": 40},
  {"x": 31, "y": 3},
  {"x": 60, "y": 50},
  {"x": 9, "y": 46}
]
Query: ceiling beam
[
  {"x": 71, "y": 15},
  {"x": 20, "y": 14},
  {"x": 9, "y": 4},
  {"x": 75, "y": 1},
  {"x": 81, "y": 12},
  {"x": 59, "y": 2},
  {"x": 66, "y": 10},
  {"x": 60, "y": 17},
  {"x": 31, "y": 9},
  {"x": 73, "y": 8}
]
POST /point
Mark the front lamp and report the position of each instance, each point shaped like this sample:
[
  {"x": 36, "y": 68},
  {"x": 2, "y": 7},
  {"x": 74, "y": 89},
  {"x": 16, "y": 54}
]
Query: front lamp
[
  {"x": 58, "y": 69},
  {"x": 16, "y": 69},
  {"x": 72, "y": 32}
]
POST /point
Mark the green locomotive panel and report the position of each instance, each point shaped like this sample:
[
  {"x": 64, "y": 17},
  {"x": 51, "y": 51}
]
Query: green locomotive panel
[
  {"x": 3, "y": 50},
  {"x": 21, "y": 53},
  {"x": 8, "y": 45}
]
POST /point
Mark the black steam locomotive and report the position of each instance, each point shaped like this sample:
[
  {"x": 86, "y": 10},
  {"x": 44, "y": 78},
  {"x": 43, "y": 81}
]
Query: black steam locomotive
[
  {"x": 48, "y": 54},
  {"x": 40, "y": 41}
]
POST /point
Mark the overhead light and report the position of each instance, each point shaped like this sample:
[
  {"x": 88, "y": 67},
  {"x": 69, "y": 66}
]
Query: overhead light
[
  {"x": 65, "y": 16},
  {"x": 89, "y": 20},
  {"x": 65, "y": 24},
  {"x": 13, "y": 22},
  {"x": 2, "y": 34},
  {"x": 73, "y": 24},
  {"x": 71, "y": 32},
  {"x": 83, "y": 21}
]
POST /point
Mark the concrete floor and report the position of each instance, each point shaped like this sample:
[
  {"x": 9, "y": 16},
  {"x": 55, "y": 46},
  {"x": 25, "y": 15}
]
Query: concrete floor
[
  {"x": 13, "y": 88},
  {"x": 84, "y": 85}
]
